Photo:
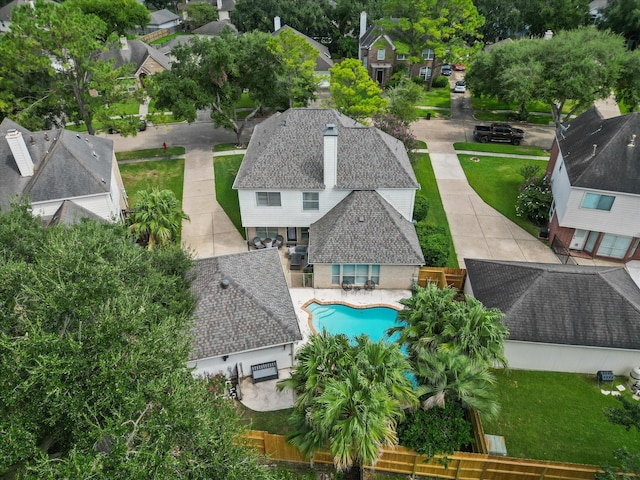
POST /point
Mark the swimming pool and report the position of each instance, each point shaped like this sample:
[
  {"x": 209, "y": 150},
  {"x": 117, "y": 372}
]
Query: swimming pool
[{"x": 352, "y": 321}]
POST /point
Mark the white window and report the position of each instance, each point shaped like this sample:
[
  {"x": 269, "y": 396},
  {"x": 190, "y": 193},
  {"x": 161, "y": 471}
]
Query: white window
[
  {"x": 268, "y": 199},
  {"x": 596, "y": 201},
  {"x": 614, "y": 245},
  {"x": 364, "y": 62},
  {"x": 427, "y": 54},
  {"x": 304, "y": 234},
  {"x": 425, "y": 73},
  {"x": 310, "y": 201},
  {"x": 381, "y": 53},
  {"x": 401, "y": 56},
  {"x": 266, "y": 232},
  {"x": 355, "y": 274}
]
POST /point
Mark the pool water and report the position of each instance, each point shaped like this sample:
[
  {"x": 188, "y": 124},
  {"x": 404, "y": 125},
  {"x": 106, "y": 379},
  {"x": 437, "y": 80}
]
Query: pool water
[{"x": 338, "y": 318}]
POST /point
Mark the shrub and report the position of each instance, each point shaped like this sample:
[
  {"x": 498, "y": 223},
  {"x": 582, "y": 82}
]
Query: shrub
[
  {"x": 529, "y": 172},
  {"x": 534, "y": 201},
  {"x": 396, "y": 128},
  {"x": 420, "y": 208},
  {"x": 440, "y": 82},
  {"x": 434, "y": 242},
  {"x": 418, "y": 80},
  {"x": 435, "y": 431}
]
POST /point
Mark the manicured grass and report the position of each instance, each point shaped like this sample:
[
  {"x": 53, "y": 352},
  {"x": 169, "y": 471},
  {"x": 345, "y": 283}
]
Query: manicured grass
[
  {"x": 245, "y": 102},
  {"x": 429, "y": 189},
  {"x": 273, "y": 422},
  {"x": 437, "y": 97},
  {"x": 497, "y": 180},
  {"x": 487, "y": 116},
  {"x": 501, "y": 148},
  {"x": 422, "y": 144},
  {"x": 150, "y": 153},
  {"x": 224, "y": 147},
  {"x": 225, "y": 170},
  {"x": 163, "y": 40},
  {"x": 129, "y": 108},
  {"x": 161, "y": 174},
  {"x": 557, "y": 416}
]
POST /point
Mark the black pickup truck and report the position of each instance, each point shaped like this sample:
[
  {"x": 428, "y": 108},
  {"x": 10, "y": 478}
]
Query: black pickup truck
[{"x": 498, "y": 132}]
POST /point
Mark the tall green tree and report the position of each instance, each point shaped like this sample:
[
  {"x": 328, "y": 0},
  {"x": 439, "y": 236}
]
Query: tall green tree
[
  {"x": 156, "y": 218},
  {"x": 120, "y": 16},
  {"x": 623, "y": 17},
  {"x": 198, "y": 14},
  {"x": 94, "y": 339},
  {"x": 349, "y": 397},
  {"x": 447, "y": 27},
  {"x": 60, "y": 44},
  {"x": 215, "y": 73},
  {"x": 353, "y": 92},
  {"x": 298, "y": 60}
]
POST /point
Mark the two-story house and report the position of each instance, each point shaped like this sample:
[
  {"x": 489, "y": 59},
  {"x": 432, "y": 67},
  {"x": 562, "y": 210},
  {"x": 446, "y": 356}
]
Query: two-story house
[
  {"x": 51, "y": 167},
  {"x": 317, "y": 177},
  {"x": 378, "y": 55},
  {"x": 595, "y": 180}
]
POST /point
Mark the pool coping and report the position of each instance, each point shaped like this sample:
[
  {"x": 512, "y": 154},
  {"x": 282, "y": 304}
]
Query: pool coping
[{"x": 339, "y": 302}]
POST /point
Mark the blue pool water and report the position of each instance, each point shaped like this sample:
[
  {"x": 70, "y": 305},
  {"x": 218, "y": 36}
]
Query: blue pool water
[{"x": 336, "y": 318}]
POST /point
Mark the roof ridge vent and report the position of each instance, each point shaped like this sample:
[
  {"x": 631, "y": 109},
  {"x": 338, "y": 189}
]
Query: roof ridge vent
[
  {"x": 632, "y": 142},
  {"x": 595, "y": 147}
]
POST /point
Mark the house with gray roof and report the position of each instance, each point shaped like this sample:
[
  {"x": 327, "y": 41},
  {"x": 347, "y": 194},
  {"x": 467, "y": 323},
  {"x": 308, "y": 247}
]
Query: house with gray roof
[
  {"x": 566, "y": 318},
  {"x": 243, "y": 316},
  {"x": 319, "y": 178},
  {"x": 49, "y": 167},
  {"x": 595, "y": 180},
  {"x": 6, "y": 11},
  {"x": 215, "y": 28},
  {"x": 163, "y": 19},
  {"x": 323, "y": 58},
  {"x": 144, "y": 59}
]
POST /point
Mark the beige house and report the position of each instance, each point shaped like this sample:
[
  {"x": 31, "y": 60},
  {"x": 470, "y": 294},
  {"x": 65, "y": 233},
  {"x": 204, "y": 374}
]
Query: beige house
[{"x": 145, "y": 59}]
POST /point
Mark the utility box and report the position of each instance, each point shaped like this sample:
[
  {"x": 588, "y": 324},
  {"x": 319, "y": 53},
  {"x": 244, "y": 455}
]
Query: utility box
[{"x": 495, "y": 445}]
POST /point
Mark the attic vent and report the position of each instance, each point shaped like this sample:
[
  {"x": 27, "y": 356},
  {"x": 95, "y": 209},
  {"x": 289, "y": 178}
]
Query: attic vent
[
  {"x": 224, "y": 283},
  {"x": 46, "y": 137},
  {"x": 595, "y": 147},
  {"x": 632, "y": 142},
  {"x": 32, "y": 140},
  {"x": 103, "y": 181},
  {"x": 360, "y": 219},
  {"x": 77, "y": 135},
  {"x": 93, "y": 152}
]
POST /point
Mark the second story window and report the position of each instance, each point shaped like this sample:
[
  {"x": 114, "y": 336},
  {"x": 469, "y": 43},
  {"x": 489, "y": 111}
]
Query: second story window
[
  {"x": 268, "y": 199},
  {"x": 427, "y": 54},
  {"x": 598, "y": 202},
  {"x": 310, "y": 201},
  {"x": 381, "y": 53},
  {"x": 401, "y": 56}
]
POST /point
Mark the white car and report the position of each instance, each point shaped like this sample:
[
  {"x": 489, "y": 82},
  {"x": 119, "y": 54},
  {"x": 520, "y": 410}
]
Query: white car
[{"x": 460, "y": 87}]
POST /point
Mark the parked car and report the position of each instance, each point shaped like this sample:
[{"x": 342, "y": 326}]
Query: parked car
[
  {"x": 141, "y": 127},
  {"x": 460, "y": 87},
  {"x": 446, "y": 70},
  {"x": 458, "y": 67},
  {"x": 498, "y": 132}
]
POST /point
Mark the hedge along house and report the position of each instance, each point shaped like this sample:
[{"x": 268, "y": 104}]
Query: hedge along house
[
  {"x": 595, "y": 180},
  {"x": 319, "y": 178},
  {"x": 243, "y": 316},
  {"x": 51, "y": 167},
  {"x": 562, "y": 318}
]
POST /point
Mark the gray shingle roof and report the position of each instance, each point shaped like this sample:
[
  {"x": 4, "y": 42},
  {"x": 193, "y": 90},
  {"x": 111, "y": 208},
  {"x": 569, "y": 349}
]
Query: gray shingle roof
[
  {"x": 615, "y": 165},
  {"x": 160, "y": 17},
  {"x": 561, "y": 304},
  {"x": 351, "y": 232},
  {"x": 136, "y": 53},
  {"x": 69, "y": 213},
  {"x": 255, "y": 311},
  {"x": 286, "y": 152},
  {"x": 5, "y": 12},
  {"x": 215, "y": 28},
  {"x": 323, "y": 60},
  {"x": 67, "y": 165}
]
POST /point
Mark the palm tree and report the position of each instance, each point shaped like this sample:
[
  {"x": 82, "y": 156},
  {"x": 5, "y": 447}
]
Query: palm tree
[
  {"x": 453, "y": 375},
  {"x": 156, "y": 218}
]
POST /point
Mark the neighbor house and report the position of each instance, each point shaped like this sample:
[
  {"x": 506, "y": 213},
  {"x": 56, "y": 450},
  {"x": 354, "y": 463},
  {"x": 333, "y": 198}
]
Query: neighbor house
[
  {"x": 6, "y": 11},
  {"x": 316, "y": 177},
  {"x": 243, "y": 316},
  {"x": 49, "y": 167},
  {"x": 595, "y": 180},
  {"x": 161, "y": 19},
  {"x": 563, "y": 318},
  {"x": 377, "y": 52},
  {"x": 144, "y": 60}
]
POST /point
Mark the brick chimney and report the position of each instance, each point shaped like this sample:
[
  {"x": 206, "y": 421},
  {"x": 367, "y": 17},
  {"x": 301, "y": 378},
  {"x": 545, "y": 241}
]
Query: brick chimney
[
  {"x": 330, "y": 155},
  {"x": 20, "y": 153}
]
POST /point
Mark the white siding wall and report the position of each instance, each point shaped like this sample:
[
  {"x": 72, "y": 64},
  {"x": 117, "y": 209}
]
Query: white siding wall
[
  {"x": 290, "y": 214},
  {"x": 281, "y": 354},
  {"x": 101, "y": 205},
  {"x": 561, "y": 188},
  {"x": 623, "y": 219},
  {"x": 570, "y": 358}
]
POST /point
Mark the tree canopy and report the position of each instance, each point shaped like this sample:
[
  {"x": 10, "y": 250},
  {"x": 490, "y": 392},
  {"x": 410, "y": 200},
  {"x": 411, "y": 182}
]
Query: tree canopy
[
  {"x": 198, "y": 14},
  {"x": 574, "y": 67},
  {"x": 120, "y": 16},
  {"x": 94, "y": 340},
  {"x": 353, "y": 92},
  {"x": 623, "y": 17}
]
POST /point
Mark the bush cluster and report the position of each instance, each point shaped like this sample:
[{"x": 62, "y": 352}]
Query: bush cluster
[{"x": 534, "y": 200}]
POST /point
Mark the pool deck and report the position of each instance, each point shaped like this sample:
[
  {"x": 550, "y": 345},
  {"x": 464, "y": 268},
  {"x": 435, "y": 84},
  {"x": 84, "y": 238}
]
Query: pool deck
[{"x": 263, "y": 397}]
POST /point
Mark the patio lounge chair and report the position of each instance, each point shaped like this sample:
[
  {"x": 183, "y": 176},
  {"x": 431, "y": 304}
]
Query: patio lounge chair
[{"x": 258, "y": 243}]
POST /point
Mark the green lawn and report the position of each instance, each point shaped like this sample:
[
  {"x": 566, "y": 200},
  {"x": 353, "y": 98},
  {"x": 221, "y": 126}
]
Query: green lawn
[
  {"x": 162, "y": 174},
  {"x": 128, "y": 108},
  {"x": 224, "y": 147},
  {"x": 501, "y": 148},
  {"x": 437, "y": 97},
  {"x": 225, "y": 170},
  {"x": 557, "y": 416},
  {"x": 429, "y": 188},
  {"x": 163, "y": 40},
  {"x": 273, "y": 422},
  {"x": 487, "y": 116},
  {"x": 149, "y": 153},
  {"x": 497, "y": 181}
]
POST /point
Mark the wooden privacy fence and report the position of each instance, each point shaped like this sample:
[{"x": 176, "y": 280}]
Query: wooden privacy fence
[
  {"x": 442, "y": 277},
  {"x": 459, "y": 466},
  {"x": 156, "y": 34}
]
